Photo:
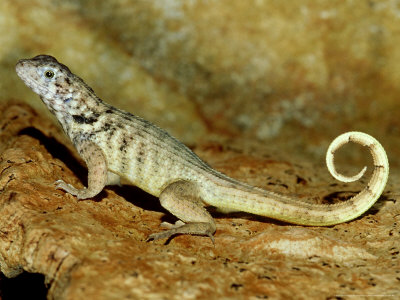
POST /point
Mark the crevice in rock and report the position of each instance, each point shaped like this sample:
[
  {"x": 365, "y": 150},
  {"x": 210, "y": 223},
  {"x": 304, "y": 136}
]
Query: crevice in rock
[{"x": 24, "y": 286}]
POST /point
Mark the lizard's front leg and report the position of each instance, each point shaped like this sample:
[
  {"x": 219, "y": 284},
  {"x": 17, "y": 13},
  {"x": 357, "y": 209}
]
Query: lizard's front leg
[
  {"x": 97, "y": 171},
  {"x": 181, "y": 198}
]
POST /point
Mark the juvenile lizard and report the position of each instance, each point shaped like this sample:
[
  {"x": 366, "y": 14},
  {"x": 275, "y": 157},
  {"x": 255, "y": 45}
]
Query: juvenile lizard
[{"x": 116, "y": 144}]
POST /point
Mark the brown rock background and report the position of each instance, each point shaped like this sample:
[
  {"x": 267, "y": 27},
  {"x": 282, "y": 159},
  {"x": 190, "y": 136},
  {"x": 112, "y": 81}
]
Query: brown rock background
[{"x": 259, "y": 89}]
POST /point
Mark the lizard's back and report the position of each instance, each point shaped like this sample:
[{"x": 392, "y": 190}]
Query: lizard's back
[{"x": 144, "y": 154}]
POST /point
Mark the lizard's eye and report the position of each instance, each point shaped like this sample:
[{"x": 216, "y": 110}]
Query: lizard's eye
[{"x": 49, "y": 74}]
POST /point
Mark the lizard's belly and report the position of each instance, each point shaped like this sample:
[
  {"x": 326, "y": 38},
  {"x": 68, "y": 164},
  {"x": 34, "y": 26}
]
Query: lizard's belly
[
  {"x": 153, "y": 182},
  {"x": 151, "y": 176},
  {"x": 145, "y": 164}
]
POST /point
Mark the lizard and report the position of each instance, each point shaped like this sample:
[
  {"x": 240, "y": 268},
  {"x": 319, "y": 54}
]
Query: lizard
[{"x": 116, "y": 144}]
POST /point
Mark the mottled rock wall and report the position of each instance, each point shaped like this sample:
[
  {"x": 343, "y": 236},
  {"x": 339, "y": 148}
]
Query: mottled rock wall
[{"x": 299, "y": 71}]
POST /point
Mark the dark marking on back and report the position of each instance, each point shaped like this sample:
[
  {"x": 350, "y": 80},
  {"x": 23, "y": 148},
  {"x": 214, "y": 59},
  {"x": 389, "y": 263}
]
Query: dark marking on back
[
  {"x": 106, "y": 127},
  {"x": 83, "y": 120},
  {"x": 128, "y": 118},
  {"x": 123, "y": 146},
  {"x": 110, "y": 132},
  {"x": 141, "y": 151},
  {"x": 78, "y": 119}
]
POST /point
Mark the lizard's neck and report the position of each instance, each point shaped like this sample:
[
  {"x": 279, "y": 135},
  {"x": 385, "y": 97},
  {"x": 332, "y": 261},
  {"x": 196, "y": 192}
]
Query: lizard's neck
[{"x": 81, "y": 109}]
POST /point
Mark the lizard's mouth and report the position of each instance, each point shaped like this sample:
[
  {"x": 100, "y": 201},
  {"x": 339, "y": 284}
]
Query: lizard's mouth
[{"x": 19, "y": 68}]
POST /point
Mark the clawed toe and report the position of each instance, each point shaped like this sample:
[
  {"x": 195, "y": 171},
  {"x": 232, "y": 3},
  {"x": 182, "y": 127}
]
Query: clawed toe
[
  {"x": 79, "y": 193},
  {"x": 160, "y": 235},
  {"x": 181, "y": 228},
  {"x": 61, "y": 184}
]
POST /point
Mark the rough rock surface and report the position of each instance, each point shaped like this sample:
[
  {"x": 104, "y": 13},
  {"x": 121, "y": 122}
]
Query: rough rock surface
[{"x": 96, "y": 249}]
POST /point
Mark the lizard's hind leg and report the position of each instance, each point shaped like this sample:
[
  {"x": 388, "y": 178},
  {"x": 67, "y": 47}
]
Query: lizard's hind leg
[{"x": 181, "y": 198}]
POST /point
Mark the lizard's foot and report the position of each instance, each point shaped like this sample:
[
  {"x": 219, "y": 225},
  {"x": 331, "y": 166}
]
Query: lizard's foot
[
  {"x": 189, "y": 228},
  {"x": 61, "y": 184},
  {"x": 79, "y": 193}
]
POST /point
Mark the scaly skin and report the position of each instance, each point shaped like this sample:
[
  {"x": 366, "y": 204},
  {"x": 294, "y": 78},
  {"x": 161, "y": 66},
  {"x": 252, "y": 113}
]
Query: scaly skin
[{"x": 117, "y": 144}]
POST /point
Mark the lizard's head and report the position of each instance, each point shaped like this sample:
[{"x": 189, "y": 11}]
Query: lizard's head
[
  {"x": 45, "y": 76},
  {"x": 51, "y": 80}
]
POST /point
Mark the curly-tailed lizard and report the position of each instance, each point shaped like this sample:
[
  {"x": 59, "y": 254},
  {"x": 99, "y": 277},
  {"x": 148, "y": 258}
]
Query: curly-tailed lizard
[{"x": 115, "y": 144}]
